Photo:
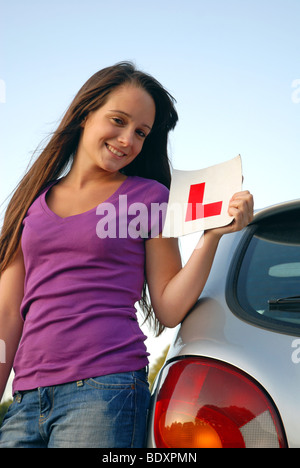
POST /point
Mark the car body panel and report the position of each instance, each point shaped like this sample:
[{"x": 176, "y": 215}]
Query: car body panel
[{"x": 212, "y": 330}]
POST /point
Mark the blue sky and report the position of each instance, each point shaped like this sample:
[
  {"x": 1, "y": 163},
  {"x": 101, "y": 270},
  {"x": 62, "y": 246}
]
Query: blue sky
[{"x": 232, "y": 65}]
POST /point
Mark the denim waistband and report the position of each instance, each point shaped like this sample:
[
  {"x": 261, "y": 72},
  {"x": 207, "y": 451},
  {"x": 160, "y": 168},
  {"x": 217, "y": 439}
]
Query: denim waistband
[{"x": 23, "y": 392}]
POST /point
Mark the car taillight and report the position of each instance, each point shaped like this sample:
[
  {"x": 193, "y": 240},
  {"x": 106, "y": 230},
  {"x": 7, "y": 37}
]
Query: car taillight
[{"x": 207, "y": 403}]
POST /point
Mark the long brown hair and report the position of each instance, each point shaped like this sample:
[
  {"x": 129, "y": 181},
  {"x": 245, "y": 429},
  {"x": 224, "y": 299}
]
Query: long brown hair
[{"x": 56, "y": 157}]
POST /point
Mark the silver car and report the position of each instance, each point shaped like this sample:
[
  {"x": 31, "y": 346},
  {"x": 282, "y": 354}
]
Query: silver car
[{"x": 232, "y": 374}]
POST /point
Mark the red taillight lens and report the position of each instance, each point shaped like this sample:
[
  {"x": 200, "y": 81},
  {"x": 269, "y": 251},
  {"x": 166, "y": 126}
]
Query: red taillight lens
[{"x": 207, "y": 403}]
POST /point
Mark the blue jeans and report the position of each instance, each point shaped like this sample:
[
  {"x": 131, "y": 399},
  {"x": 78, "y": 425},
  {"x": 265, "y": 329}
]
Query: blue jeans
[{"x": 103, "y": 412}]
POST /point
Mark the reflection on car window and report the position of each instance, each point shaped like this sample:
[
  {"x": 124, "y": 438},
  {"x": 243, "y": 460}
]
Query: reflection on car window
[{"x": 268, "y": 283}]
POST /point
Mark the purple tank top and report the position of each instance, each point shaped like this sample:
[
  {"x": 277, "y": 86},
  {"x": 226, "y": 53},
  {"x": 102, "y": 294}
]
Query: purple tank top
[{"x": 84, "y": 275}]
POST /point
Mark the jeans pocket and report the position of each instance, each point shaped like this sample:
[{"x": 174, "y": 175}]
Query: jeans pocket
[
  {"x": 121, "y": 401},
  {"x": 113, "y": 381}
]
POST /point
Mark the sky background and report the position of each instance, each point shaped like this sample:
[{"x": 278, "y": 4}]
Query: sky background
[{"x": 232, "y": 65}]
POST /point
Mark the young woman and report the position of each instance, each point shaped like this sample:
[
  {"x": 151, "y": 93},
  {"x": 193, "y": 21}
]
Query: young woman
[{"x": 76, "y": 347}]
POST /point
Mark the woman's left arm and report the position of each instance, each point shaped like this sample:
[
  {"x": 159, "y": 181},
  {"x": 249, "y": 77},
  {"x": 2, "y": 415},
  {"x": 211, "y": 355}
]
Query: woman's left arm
[{"x": 175, "y": 289}]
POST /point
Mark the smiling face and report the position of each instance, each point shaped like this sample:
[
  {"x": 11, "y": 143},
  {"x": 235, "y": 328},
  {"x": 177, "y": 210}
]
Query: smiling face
[{"x": 114, "y": 134}]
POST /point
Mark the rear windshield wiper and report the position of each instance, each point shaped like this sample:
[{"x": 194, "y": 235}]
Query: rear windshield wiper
[{"x": 291, "y": 303}]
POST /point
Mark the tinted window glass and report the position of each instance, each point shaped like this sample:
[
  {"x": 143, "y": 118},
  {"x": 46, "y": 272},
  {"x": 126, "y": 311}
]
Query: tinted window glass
[{"x": 268, "y": 282}]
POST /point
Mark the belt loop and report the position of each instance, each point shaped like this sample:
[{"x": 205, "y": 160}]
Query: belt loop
[
  {"x": 79, "y": 383},
  {"x": 18, "y": 397}
]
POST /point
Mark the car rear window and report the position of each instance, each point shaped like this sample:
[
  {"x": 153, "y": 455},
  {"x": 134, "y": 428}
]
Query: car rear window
[{"x": 265, "y": 286}]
